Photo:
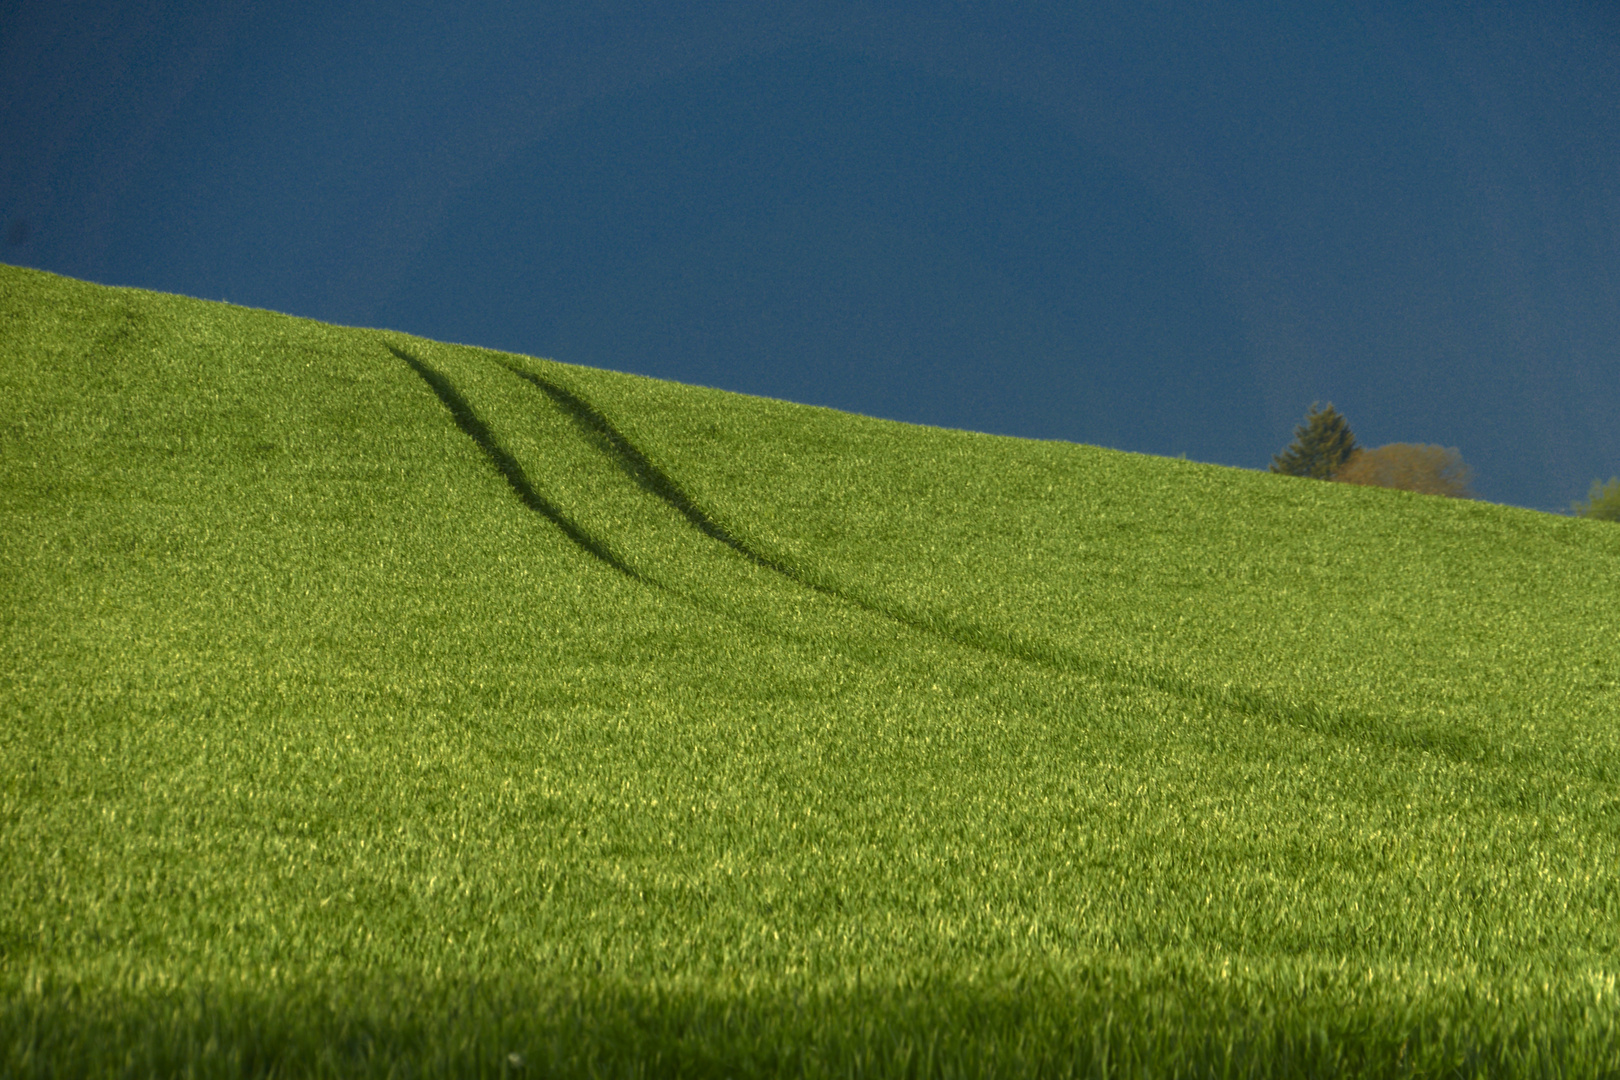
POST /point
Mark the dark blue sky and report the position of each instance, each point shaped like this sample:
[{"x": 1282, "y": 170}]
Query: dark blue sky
[{"x": 1161, "y": 227}]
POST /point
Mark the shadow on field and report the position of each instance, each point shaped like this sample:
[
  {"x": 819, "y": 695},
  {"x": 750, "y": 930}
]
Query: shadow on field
[
  {"x": 1097, "y": 1019},
  {"x": 476, "y": 430}
]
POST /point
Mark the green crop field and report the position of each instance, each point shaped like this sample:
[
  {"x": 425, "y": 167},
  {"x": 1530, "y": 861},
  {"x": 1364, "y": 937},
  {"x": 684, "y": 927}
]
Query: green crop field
[{"x": 375, "y": 706}]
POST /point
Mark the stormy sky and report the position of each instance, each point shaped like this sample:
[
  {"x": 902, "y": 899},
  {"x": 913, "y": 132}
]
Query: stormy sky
[{"x": 1163, "y": 227}]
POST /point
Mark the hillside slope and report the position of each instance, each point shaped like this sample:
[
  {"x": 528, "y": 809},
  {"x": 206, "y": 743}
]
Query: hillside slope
[{"x": 337, "y": 660}]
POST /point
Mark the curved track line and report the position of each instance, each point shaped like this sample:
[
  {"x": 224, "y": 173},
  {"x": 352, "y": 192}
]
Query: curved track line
[
  {"x": 601, "y": 433},
  {"x": 476, "y": 430},
  {"x": 635, "y": 464},
  {"x": 609, "y": 440}
]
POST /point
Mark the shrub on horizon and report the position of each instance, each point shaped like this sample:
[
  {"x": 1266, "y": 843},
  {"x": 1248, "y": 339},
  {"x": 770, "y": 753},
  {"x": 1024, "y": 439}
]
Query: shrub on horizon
[
  {"x": 1428, "y": 470},
  {"x": 1602, "y": 501}
]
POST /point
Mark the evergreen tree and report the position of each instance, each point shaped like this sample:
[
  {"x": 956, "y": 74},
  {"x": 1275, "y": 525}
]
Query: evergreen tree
[{"x": 1321, "y": 444}]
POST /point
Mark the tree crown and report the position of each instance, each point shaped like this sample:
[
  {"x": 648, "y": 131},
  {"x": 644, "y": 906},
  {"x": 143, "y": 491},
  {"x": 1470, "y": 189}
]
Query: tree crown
[
  {"x": 1321, "y": 445},
  {"x": 1602, "y": 502},
  {"x": 1430, "y": 470}
]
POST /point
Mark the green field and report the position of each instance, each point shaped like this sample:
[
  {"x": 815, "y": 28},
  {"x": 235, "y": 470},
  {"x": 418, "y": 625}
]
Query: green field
[{"x": 375, "y": 706}]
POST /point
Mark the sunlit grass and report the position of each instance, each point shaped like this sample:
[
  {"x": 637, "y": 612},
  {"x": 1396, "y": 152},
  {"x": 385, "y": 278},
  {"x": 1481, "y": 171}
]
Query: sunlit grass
[{"x": 381, "y": 705}]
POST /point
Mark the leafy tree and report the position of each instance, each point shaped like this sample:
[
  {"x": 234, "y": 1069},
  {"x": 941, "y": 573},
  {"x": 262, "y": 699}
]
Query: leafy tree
[
  {"x": 1321, "y": 444},
  {"x": 1603, "y": 501},
  {"x": 1430, "y": 470}
]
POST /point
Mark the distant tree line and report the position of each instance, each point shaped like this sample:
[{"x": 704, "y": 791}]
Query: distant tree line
[{"x": 1325, "y": 448}]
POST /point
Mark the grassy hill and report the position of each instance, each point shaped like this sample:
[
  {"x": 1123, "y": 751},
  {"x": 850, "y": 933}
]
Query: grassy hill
[{"x": 378, "y": 704}]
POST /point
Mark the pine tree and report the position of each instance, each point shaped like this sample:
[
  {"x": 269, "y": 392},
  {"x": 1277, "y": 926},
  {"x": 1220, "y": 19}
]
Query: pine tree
[{"x": 1321, "y": 444}]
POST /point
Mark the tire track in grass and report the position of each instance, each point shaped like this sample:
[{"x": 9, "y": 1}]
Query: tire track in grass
[
  {"x": 512, "y": 471},
  {"x": 476, "y": 430},
  {"x": 600, "y": 432}
]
